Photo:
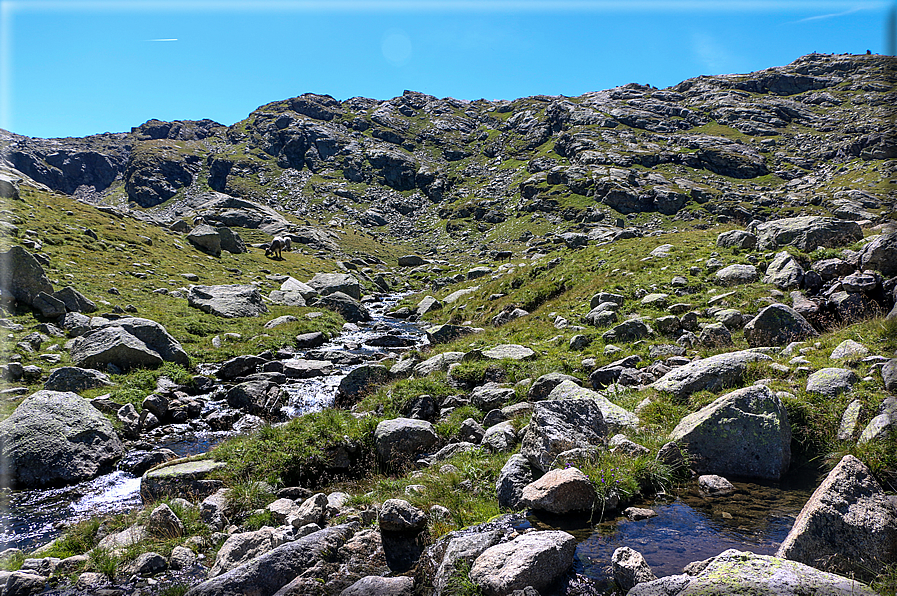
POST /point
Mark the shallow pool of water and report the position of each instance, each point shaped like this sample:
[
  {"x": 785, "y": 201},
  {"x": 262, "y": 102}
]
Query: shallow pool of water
[{"x": 690, "y": 527}]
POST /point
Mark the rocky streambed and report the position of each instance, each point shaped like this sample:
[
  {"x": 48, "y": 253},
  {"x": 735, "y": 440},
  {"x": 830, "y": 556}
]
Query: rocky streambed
[{"x": 32, "y": 517}]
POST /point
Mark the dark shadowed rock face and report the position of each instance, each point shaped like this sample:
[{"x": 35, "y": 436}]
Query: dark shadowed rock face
[{"x": 55, "y": 438}]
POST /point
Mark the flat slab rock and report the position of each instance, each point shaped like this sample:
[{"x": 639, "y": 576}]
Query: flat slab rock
[
  {"x": 509, "y": 352},
  {"x": 736, "y": 572},
  {"x": 228, "y": 301},
  {"x": 710, "y": 374}
]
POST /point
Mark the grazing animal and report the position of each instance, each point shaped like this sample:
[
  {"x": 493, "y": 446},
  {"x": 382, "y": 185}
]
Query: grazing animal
[
  {"x": 199, "y": 220},
  {"x": 275, "y": 248},
  {"x": 503, "y": 255}
]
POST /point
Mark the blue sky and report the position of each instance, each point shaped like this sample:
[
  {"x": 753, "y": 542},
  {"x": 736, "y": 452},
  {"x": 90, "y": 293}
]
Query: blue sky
[{"x": 73, "y": 68}]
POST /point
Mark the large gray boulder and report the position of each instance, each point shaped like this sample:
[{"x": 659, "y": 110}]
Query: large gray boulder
[
  {"x": 72, "y": 378},
  {"x": 560, "y": 491},
  {"x": 375, "y": 585},
  {"x": 560, "y": 425},
  {"x": 736, "y": 239},
  {"x": 807, "y": 233},
  {"x": 179, "y": 478},
  {"x": 328, "y": 283},
  {"x": 736, "y": 572},
  {"x": 631, "y": 330},
  {"x": 461, "y": 549},
  {"x": 205, "y": 238},
  {"x": 736, "y": 275},
  {"x": 743, "y": 433},
  {"x": 542, "y": 387},
  {"x": 359, "y": 381},
  {"x": 630, "y": 568},
  {"x": 127, "y": 343},
  {"x": 784, "y": 272},
  {"x": 291, "y": 284},
  {"x": 777, "y": 325},
  {"x": 228, "y": 301},
  {"x": 400, "y": 439},
  {"x": 439, "y": 362},
  {"x": 848, "y": 526},
  {"x": 708, "y": 374},
  {"x": 535, "y": 559},
  {"x": 242, "y": 547},
  {"x": 21, "y": 276},
  {"x": 348, "y": 308},
  {"x": 231, "y": 241},
  {"x": 831, "y": 382},
  {"x": 398, "y": 515},
  {"x": 55, "y": 438},
  {"x": 267, "y": 574},
  {"x": 260, "y": 397},
  {"x": 883, "y": 425},
  {"x": 881, "y": 255}
]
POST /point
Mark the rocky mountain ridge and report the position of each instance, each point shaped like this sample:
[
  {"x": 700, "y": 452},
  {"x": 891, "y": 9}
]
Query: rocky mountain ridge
[{"x": 814, "y": 135}]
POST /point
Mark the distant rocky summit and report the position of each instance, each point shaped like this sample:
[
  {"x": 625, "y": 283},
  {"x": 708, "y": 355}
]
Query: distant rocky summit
[{"x": 392, "y": 166}]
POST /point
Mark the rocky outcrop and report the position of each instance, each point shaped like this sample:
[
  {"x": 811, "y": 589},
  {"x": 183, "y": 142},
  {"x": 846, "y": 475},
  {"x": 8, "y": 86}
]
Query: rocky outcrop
[
  {"x": 55, "y": 438},
  {"x": 744, "y": 433}
]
